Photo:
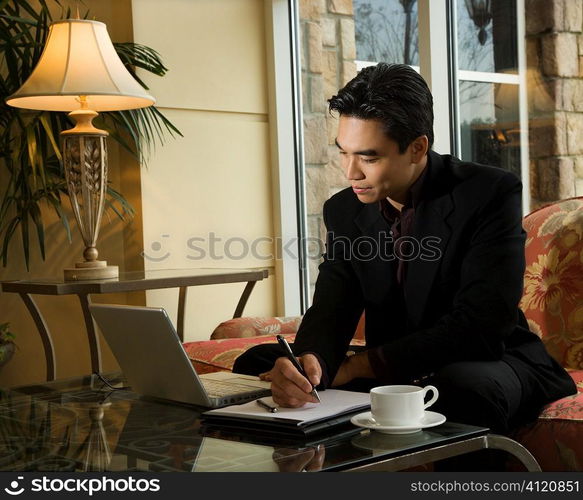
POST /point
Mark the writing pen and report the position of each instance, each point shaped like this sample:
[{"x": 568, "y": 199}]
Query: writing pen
[
  {"x": 290, "y": 355},
  {"x": 266, "y": 406}
]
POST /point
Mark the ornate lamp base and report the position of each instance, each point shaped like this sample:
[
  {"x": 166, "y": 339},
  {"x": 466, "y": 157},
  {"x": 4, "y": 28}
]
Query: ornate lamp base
[
  {"x": 91, "y": 268},
  {"x": 85, "y": 164},
  {"x": 96, "y": 270}
]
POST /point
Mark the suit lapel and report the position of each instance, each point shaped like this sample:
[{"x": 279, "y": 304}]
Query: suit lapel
[{"x": 430, "y": 222}]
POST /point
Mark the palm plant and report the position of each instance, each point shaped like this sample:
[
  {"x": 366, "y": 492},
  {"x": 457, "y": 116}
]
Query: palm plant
[
  {"x": 30, "y": 158},
  {"x": 6, "y": 343}
]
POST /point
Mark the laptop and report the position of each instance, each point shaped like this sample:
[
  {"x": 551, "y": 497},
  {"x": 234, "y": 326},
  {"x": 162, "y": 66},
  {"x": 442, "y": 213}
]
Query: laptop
[{"x": 152, "y": 359}]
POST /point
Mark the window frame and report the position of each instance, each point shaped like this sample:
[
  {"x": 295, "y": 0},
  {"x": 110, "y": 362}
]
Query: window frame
[
  {"x": 518, "y": 79},
  {"x": 437, "y": 64},
  {"x": 436, "y": 20},
  {"x": 287, "y": 156}
]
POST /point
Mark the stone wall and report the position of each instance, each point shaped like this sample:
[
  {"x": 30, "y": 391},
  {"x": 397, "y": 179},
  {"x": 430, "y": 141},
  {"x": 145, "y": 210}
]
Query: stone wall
[
  {"x": 328, "y": 53},
  {"x": 554, "y": 51}
]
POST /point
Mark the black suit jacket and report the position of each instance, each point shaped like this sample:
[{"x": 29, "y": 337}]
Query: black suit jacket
[{"x": 461, "y": 290}]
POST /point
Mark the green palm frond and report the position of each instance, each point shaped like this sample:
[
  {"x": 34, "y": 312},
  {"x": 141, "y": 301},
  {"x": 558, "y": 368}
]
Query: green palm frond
[
  {"x": 134, "y": 55},
  {"x": 29, "y": 146}
]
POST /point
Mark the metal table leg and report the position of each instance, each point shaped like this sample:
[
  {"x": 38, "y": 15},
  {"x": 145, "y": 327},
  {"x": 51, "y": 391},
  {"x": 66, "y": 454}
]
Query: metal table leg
[
  {"x": 497, "y": 442},
  {"x": 92, "y": 337},
  {"x": 45, "y": 335},
  {"x": 181, "y": 310},
  {"x": 182, "y": 306},
  {"x": 244, "y": 298}
]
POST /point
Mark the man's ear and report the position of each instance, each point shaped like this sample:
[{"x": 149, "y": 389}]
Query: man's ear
[{"x": 419, "y": 148}]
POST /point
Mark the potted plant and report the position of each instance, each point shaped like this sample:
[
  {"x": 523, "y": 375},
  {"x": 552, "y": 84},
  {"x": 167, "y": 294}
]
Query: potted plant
[
  {"x": 30, "y": 158},
  {"x": 7, "y": 345}
]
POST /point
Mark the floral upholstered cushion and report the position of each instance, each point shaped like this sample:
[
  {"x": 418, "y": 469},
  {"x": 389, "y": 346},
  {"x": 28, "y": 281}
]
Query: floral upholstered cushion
[
  {"x": 253, "y": 327},
  {"x": 256, "y": 326},
  {"x": 556, "y": 438},
  {"x": 219, "y": 355},
  {"x": 553, "y": 281},
  {"x": 569, "y": 408}
]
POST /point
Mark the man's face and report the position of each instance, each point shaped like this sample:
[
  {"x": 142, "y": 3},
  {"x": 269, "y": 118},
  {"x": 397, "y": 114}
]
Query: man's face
[{"x": 372, "y": 162}]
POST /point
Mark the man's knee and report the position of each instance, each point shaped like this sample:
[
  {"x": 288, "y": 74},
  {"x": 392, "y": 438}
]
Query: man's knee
[{"x": 468, "y": 395}]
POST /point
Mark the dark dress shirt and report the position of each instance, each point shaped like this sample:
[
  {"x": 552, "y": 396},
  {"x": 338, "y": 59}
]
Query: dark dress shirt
[{"x": 402, "y": 222}]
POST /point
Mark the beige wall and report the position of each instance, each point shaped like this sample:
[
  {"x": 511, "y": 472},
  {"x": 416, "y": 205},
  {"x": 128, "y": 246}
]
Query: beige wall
[{"x": 217, "y": 178}]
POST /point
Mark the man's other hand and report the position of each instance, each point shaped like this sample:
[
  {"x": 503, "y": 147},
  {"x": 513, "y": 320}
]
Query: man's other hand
[{"x": 355, "y": 366}]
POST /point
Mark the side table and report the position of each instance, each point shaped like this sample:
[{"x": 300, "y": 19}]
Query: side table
[{"x": 127, "y": 282}]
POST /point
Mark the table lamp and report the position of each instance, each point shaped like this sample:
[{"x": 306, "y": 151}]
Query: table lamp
[{"x": 79, "y": 71}]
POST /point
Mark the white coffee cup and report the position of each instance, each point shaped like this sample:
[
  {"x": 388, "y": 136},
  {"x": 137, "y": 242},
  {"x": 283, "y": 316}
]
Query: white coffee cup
[{"x": 398, "y": 405}]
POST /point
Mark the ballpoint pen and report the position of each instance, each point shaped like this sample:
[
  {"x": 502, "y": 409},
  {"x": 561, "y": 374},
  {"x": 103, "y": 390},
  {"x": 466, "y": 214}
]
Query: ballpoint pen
[
  {"x": 290, "y": 355},
  {"x": 266, "y": 406}
]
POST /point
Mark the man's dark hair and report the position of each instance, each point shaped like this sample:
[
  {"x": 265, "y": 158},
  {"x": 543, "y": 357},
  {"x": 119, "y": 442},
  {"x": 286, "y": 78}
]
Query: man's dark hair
[{"x": 394, "y": 94}]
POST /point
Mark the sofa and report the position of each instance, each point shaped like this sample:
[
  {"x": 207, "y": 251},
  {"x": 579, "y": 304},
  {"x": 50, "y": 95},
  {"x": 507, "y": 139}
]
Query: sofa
[{"x": 552, "y": 302}]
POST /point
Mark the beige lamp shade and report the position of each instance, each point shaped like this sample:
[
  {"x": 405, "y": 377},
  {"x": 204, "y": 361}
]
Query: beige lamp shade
[{"x": 79, "y": 60}]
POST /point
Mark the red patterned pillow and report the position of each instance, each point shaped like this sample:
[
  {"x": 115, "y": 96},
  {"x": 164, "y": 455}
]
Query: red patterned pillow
[
  {"x": 253, "y": 327},
  {"x": 219, "y": 355}
]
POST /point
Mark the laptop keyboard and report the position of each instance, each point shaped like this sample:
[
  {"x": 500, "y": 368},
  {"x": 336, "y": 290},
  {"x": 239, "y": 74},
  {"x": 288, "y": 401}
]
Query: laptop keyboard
[{"x": 215, "y": 388}]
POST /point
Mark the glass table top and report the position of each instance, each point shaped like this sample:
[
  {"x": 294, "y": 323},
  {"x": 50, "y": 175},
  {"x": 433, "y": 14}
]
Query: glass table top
[
  {"x": 82, "y": 425},
  {"x": 137, "y": 280}
]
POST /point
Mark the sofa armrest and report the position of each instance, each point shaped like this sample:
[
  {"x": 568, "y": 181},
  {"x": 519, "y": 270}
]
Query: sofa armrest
[
  {"x": 219, "y": 355},
  {"x": 256, "y": 327},
  {"x": 209, "y": 356}
]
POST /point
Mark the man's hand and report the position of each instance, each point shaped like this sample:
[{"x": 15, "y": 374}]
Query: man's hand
[
  {"x": 344, "y": 374},
  {"x": 288, "y": 387},
  {"x": 355, "y": 366}
]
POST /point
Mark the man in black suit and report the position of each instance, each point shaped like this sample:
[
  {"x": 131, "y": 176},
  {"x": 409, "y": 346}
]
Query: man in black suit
[{"x": 432, "y": 250}]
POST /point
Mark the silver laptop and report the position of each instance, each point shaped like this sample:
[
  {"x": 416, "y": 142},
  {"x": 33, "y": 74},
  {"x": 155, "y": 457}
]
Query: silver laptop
[{"x": 152, "y": 358}]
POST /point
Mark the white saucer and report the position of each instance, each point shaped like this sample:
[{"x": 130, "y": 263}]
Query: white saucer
[{"x": 430, "y": 419}]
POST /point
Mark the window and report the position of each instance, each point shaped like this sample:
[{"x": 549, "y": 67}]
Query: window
[
  {"x": 488, "y": 83},
  {"x": 499, "y": 74},
  {"x": 485, "y": 75},
  {"x": 386, "y": 30}
]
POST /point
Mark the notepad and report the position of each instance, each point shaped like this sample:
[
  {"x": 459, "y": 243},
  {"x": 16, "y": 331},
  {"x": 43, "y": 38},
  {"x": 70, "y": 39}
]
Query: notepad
[{"x": 336, "y": 407}]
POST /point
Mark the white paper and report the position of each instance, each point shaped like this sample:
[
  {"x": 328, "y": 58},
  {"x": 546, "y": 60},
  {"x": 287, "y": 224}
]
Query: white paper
[{"x": 334, "y": 402}]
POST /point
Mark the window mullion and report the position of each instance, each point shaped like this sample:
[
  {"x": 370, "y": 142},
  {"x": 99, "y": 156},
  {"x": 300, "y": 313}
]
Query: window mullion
[
  {"x": 523, "y": 108},
  {"x": 434, "y": 66}
]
